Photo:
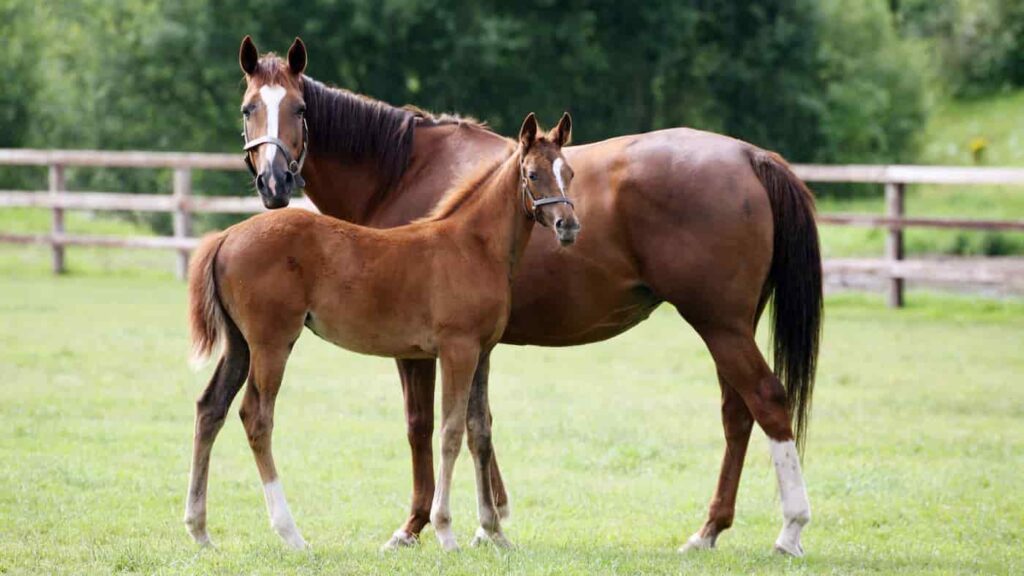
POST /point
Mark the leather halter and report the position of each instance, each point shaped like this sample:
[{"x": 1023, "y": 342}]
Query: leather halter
[
  {"x": 537, "y": 203},
  {"x": 294, "y": 166}
]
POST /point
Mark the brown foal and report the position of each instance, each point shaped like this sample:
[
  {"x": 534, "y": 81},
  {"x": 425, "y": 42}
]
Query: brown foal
[
  {"x": 437, "y": 288},
  {"x": 710, "y": 225}
]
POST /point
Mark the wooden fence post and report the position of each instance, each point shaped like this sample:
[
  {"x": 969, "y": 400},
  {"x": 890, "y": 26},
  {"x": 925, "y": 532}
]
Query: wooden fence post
[
  {"x": 182, "y": 218},
  {"x": 894, "y": 205},
  {"x": 57, "y": 185}
]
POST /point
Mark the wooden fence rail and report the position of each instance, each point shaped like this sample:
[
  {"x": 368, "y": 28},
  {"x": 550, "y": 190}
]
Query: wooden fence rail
[{"x": 182, "y": 205}]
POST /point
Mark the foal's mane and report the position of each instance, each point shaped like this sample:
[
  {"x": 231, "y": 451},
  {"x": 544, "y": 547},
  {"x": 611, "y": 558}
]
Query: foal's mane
[{"x": 466, "y": 188}]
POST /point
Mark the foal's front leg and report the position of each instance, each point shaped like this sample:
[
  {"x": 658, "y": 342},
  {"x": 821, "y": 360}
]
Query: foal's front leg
[{"x": 458, "y": 362}]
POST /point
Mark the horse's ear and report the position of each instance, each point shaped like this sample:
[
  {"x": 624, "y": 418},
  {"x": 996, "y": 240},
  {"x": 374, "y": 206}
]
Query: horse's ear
[
  {"x": 562, "y": 133},
  {"x": 528, "y": 133},
  {"x": 297, "y": 57},
  {"x": 248, "y": 56}
]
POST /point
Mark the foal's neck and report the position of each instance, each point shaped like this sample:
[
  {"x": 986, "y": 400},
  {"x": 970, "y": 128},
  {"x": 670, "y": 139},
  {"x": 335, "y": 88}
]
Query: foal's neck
[{"x": 493, "y": 215}]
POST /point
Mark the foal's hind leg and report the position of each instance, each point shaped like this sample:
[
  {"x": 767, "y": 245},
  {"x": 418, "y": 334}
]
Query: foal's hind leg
[
  {"x": 741, "y": 366},
  {"x": 211, "y": 410},
  {"x": 458, "y": 362},
  {"x": 258, "y": 418},
  {"x": 478, "y": 426},
  {"x": 418, "y": 391}
]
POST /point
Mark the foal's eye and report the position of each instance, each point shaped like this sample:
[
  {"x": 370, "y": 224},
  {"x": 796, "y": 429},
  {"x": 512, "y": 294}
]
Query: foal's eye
[
  {"x": 533, "y": 175},
  {"x": 301, "y": 111}
]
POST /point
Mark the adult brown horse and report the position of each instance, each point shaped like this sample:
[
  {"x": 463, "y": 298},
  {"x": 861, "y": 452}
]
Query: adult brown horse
[
  {"x": 437, "y": 288},
  {"x": 714, "y": 226}
]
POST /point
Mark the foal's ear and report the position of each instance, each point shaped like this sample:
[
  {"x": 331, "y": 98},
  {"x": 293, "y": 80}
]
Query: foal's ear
[
  {"x": 248, "y": 56},
  {"x": 528, "y": 133},
  {"x": 562, "y": 133},
  {"x": 297, "y": 57}
]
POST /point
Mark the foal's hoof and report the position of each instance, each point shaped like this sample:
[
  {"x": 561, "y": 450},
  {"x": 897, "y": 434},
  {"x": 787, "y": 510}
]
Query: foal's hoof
[
  {"x": 504, "y": 511},
  {"x": 793, "y": 549},
  {"x": 447, "y": 540},
  {"x": 400, "y": 539},
  {"x": 498, "y": 539},
  {"x": 698, "y": 542}
]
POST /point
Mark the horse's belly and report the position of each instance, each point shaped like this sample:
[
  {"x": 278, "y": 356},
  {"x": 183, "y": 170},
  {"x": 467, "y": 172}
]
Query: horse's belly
[{"x": 560, "y": 299}]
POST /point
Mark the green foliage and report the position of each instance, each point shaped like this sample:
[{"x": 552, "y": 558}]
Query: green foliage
[
  {"x": 980, "y": 43},
  {"x": 876, "y": 100}
]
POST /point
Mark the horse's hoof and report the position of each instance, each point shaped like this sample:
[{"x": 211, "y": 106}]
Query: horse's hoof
[
  {"x": 400, "y": 539},
  {"x": 698, "y": 542}
]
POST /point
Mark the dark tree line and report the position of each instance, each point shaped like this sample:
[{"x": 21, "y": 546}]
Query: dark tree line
[{"x": 817, "y": 80}]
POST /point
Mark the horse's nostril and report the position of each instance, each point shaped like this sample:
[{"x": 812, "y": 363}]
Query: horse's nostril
[
  {"x": 560, "y": 223},
  {"x": 261, "y": 183},
  {"x": 288, "y": 178}
]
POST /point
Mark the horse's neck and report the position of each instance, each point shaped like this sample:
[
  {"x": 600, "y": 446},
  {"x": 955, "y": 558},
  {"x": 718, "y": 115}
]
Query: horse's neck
[
  {"x": 493, "y": 214},
  {"x": 344, "y": 190},
  {"x": 352, "y": 191}
]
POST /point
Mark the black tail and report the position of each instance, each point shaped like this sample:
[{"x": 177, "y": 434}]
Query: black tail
[{"x": 795, "y": 283}]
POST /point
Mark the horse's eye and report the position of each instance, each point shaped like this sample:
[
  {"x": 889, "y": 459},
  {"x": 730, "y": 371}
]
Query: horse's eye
[
  {"x": 301, "y": 111},
  {"x": 533, "y": 175}
]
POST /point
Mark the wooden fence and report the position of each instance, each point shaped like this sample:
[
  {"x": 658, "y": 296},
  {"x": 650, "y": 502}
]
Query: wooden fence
[{"x": 182, "y": 204}]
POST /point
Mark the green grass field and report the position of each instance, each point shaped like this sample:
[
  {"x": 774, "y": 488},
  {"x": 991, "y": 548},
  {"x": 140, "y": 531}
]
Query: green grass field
[{"x": 610, "y": 451}]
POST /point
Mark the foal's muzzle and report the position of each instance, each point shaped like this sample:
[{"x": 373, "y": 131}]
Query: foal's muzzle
[{"x": 567, "y": 229}]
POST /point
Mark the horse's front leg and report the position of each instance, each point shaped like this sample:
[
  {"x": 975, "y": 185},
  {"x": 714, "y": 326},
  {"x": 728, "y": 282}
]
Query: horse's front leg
[
  {"x": 483, "y": 370},
  {"x": 418, "y": 390},
  {"x": 458, "y": 363},
  {"x": 478, "y": 426}
]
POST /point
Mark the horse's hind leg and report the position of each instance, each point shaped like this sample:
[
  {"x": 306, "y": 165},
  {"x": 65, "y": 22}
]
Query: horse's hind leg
[
  {"x": 458, "y": 362},
  {"x": 742, "y": 367},
  {"x": 478, "y": 426},
  {"x": 737, "y": 423},
  {"x": 257, "y": 414},
  {"x": 211, "y": 410}
]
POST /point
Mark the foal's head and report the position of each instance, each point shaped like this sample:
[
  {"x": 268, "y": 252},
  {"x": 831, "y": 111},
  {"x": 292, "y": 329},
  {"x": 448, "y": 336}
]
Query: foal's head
[
  {"x": 274, "y": 125},
  {"x": 546, "y": 177}
]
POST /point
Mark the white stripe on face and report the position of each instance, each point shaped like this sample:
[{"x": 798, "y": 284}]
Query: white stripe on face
[
  {"x": 272, "y": 96},
  {"x": 557, "y": 168}
]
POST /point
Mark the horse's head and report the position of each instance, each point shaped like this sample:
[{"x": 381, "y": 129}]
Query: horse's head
[
  {"x": 274, "y": 124},
  {"x": 546, "y": 177}
]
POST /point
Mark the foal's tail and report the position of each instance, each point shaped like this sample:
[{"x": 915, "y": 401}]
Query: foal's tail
[
  {"x": 207, "y": 319},
  {"x": 795, "y": 282}
]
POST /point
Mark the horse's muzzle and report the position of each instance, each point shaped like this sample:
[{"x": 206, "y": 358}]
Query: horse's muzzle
[{"x": 275, "y": 190}]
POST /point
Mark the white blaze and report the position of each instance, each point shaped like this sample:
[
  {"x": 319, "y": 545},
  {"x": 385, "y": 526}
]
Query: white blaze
[
  {"x": 557, "y": 168},
  {"x": 272, "y": 96}
]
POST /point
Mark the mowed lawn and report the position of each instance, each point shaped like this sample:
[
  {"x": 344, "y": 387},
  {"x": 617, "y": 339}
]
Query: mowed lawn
[{"x": 915, "y": 462}]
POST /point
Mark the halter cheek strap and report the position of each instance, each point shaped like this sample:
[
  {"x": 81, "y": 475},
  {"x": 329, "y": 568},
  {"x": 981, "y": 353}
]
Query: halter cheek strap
[
  {"x": 537, "y": 203},
  {"x": 294, "y": 165}
]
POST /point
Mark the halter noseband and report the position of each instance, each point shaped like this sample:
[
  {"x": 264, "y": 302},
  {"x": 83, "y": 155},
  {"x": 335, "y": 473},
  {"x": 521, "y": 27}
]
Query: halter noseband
[
  {"x": 537, "y": 203},
  {"x": 294, "y": 166}
]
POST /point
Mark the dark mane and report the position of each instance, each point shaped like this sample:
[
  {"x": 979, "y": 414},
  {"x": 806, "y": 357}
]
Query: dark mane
[
  {"x": 357, "y": 128},
  {"x": 457, "y": 196}
]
